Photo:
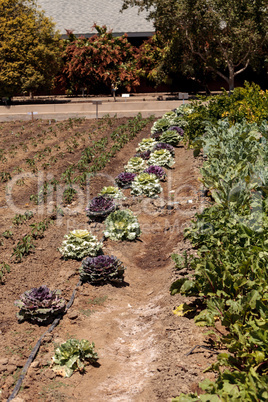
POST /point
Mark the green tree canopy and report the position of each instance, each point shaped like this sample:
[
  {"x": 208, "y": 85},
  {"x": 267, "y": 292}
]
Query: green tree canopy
[
  {"x": 29, "y": 48},
  {"x": 220, "y": 36}
]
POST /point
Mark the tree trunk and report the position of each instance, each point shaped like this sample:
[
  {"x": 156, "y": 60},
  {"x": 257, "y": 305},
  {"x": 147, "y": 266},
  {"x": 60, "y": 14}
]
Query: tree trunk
[{"x": 231, "y": 79}]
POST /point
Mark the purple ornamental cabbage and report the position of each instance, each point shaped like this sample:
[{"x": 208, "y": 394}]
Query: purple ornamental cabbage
[
  {"x": 144, "y": 155},
  {"x": 157, "y": 170},
  {"x": 40, "y": 305},
  {"x": 179, "y": 130},
  {"x": 103, "y": 268},
  {"x": 100, "y": 206},
  {"x": 157, "y": 135},
  {"x": 125, "y": 179},
  {"x": 163, "y": 145}
]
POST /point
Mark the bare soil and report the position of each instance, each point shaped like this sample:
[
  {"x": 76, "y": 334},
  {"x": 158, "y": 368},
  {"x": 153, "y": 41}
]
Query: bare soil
[{"x": 141, "y": 344}]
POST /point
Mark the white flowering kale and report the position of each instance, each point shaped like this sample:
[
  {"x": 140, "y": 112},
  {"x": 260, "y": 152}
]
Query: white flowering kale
[
  {"x": 40, "y": 305},
  {"x": 113, "y": 192},
  {"x": 162, "y": 157},
  {"x": 79, "y": 244},
  {"x": 72, "y": 356},
  {"x": 146, "y": 184},
  {"x": 135, "y": 165},
  {"x": 122, "y": 225},
  {"x": 146, "y": 144}
]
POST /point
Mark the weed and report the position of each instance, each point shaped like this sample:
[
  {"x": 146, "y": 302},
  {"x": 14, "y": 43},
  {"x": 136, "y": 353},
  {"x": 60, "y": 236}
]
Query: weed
[
  {"x": 69, "y": 194},
  {"x": 21, "y": 218},
  {"x": 5, "y": 176}
]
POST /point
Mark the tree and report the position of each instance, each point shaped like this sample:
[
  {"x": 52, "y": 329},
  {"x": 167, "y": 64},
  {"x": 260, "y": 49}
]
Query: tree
[
  {"x": 224, "y": 36},
  {"x": 29, "y": 48},
  {"x": 99, "y": 62}
]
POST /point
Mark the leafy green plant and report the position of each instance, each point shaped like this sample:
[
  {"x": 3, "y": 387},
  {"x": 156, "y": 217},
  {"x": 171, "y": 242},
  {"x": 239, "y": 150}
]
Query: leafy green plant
[
  {"x": 40, "y": 305},
  {"x": 23, "y": 247},
  {"x": 122, "y": 225},
  {"x": 135, "y": 165},
  {"x": 73, "y": 355},
  {"x": 101, "y": 269},
  {"x": 146, "y": 184},
  {"x": 7, "y": 234},
  {"x": 79, "y": 244},
  {"x": 162, "y": 157},
  {"x": 146, "y": 144},
  {"x": 113, "y": 192},
  {"x": 21, "y": 218}
]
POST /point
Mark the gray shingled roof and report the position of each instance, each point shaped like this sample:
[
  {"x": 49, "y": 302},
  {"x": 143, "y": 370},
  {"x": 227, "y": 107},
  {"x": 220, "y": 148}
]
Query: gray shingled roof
[{"x": 79, "y": 16}]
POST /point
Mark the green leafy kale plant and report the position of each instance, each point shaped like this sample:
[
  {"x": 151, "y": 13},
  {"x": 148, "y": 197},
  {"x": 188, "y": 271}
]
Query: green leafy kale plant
[
  {"x": 40, "y": 305},
  {"x": 79, "y": 244},
  {"x": 146, "y": 184},
  {"x": 73, "y": 355},
  {"x": 122, "y": 225}
]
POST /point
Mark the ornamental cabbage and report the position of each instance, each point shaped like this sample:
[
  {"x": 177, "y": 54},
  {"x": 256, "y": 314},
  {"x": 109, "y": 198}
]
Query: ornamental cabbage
[
  {"x": 40, "y": 305},
  {"x": 164, "y": 145},
  {"x": 72, "y": 356},
  {"x": 125, "y": 179},
  {"x": 171, "y": 137},
  {"x": 135, "y": 165},
  {"x": 144, "y": 155},
  {"x": 79, "y": 244},
  {"x": 100, "y": 207},
  {"x": 162, "y": 157},
  {"x": 157, "y": 170},
  {"x": 147, "y": 184},
  {"x": 103, "y": 268},
  {"x": 179, "y": 130},
  {"x": 122, "y": 225},
  {"x": 146, "y": 144},
  {"x": 113, "y": 192}
]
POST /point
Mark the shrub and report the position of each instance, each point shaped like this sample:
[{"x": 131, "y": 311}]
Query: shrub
[
  {"x": 125, "y": 179},
  {"x": 161, "y": 158},
  {"x": 79, "y": 244},
  {"x": 147, "y": 184},
  {"x": 103, "y": 268},
  {"x": 122, "y": 225},
  {"x": 135, "y": 165},
  {"x": 40, "y": 305},
  {"x": 73, "y": 355},
  {"x": 157, "y": 170}
]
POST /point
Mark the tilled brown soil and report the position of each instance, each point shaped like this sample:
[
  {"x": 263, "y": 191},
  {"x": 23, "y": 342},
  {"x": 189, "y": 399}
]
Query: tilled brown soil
[{"x": 141, "y": 344}]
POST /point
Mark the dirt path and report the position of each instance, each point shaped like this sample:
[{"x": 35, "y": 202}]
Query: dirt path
[{"x": 141, "y": 345}]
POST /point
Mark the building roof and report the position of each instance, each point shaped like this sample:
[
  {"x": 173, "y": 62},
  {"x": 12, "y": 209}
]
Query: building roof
[{"x": 79, "y": 16}]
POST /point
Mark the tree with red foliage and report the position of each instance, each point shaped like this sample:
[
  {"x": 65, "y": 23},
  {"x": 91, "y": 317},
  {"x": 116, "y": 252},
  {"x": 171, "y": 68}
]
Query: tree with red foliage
[{"x": 98, "y": 62}]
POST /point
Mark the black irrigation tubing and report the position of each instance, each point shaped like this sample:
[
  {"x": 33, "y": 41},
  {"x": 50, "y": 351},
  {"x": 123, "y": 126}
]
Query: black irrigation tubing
[
  {"x": 38, "y": 344},
  {"x": 201, "y": 346}
]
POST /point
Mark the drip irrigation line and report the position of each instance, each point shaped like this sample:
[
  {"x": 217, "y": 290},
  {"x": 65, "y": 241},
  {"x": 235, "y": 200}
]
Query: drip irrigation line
[
  {"x": 38, "y": 344},
  {"x": 201, "y": 346}
]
